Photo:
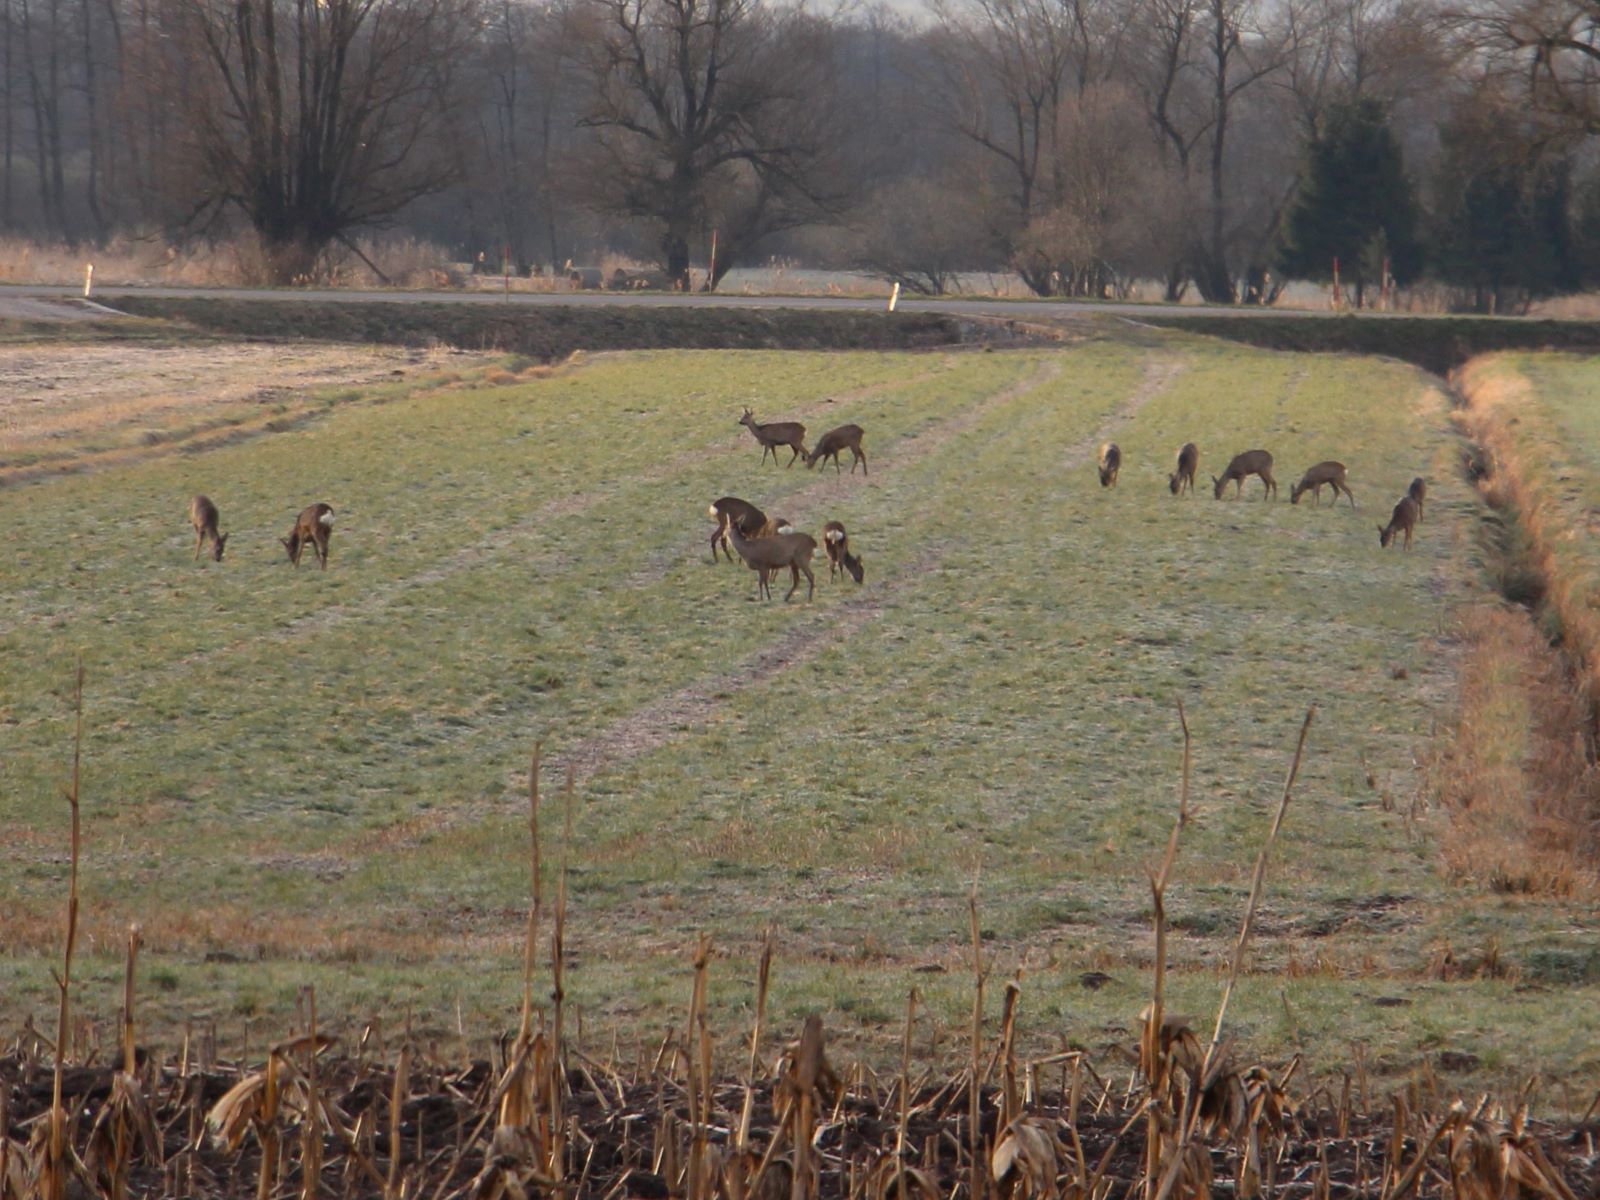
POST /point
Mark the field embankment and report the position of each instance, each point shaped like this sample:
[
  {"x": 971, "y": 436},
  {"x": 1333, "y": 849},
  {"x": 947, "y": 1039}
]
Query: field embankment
[
  {"x": 1437, "y": 344},
  {"x": 548, "y": 334}
]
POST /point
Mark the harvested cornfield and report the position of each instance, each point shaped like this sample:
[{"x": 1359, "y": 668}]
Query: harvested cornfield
[{"x": 386, "y": 1118}]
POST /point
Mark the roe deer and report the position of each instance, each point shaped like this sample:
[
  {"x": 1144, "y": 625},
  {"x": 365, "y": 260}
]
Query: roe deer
[
  {"x": 837, "y": 543},
  {"x": 1242, "y": 466},
  {"x": 1418, "y": 491},
  {"x": 312, "y": 527},
  {"x": 203, "y": 516},
  {"x": 767, "y": 556},
  {"x": 779, "y": 433},
  {"x": 1312, "y": 481},
  {"x": 846, "y": 437},
  {"x": 1183, "y": 477},
  {"x": 1402, "y": 520},
  {"x": 731, "y": 509},
  {"x": 1110, "y": 464}
]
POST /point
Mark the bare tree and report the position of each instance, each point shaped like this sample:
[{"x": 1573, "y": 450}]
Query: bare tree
[
  {"x": 1016, "y": 74},
  {"x": 712, "y": 114},
  {"x": 1552, "y": 45},
  {"x": 314, "y": 117}
]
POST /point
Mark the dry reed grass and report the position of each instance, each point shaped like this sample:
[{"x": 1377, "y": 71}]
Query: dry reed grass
[{"x": 227, "y": 262}]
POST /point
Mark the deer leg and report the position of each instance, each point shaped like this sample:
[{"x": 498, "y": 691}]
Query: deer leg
[
  {"x": 862, "y": 455},
  {"x": 1350, "y": 494},
  {"x": 199, "y": 537},
  {"x": 811, "y": 582},
  {"x": 793, "y": 454}
]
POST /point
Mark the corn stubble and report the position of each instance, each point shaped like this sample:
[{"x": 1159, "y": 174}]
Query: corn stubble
[{"x": 389, "y": 1117}]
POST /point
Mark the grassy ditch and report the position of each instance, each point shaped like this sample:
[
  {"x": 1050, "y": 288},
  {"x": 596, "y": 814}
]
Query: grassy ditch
[{"x": 1520, "y": 777}]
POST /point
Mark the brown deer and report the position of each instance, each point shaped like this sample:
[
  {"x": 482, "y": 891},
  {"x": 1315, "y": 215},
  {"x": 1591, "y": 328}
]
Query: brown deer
[
  {"x": 779, "y": 433},
  {"x": 766, "y": 556},
  {"x": 1402, "y": 520},
  {"x": 203, "y": 516},
  {"x": 1110, "y": 464},
  {"x": 731, "y": 509},
  {"x": 312, "y": 528},
  {"x": 1324, "y": 472},
  {"x": 846, "y": 437},
  {"x": 1183, "y": 477},
  {"x": 1240, "y": 468},
  {"x": 1418, "y": 491},
  {"x": 837, "y": 543}
]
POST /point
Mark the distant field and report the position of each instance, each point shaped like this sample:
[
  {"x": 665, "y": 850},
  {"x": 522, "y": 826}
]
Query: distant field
[{"x": 323, "y": 774}]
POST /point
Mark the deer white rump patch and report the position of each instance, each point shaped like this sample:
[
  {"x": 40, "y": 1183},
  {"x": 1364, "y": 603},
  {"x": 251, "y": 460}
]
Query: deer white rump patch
[
  {"x": 711, "y": 510},
  {"x": 835, "y": 535},
  {"x": 325, "y": 519}
]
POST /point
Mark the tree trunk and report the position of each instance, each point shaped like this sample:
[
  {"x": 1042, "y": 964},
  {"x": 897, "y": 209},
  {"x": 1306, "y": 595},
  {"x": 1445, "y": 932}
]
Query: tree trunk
[{"x": 675, "y": 256}]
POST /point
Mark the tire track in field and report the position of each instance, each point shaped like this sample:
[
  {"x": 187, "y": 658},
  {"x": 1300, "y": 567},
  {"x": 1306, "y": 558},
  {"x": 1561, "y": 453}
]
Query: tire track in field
[
  {"x": 686, "y": 710},
  {"x": 912, "y": 448},
  {"x": 662, "y": 721}
]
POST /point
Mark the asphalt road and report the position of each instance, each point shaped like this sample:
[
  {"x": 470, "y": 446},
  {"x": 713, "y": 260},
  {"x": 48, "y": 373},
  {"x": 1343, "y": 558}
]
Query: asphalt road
[{"x": 954, "y": 306}]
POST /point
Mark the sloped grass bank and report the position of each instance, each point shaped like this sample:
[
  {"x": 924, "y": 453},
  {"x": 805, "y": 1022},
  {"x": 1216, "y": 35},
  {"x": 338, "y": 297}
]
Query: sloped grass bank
[{"x": 547, "y": 334}]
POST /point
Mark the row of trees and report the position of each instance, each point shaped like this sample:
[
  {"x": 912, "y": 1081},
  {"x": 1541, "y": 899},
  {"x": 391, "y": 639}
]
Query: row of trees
[{"x": 1216, "y": 145}]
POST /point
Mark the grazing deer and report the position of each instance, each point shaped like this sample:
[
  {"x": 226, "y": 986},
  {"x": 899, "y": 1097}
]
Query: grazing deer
[
  {"x": 203, "y": 516},
  {"x": 730, "y": 509},
  {"x": 780, "y": 433},
  {"x": 766, "y": 556},
  {"x": 1402, "y": 521},
  {"x": 1418, "y": 491},
  {"x": 1110, "y": 464},
  {"x": 1183, "y": 477},
  {"x": 846, "y": 437},
  {"x": 1312, "y": 481},
  {"x": 837, "y": 543},
  {"x": 1242, "y": 466},
  {"x": 312, "y": 527}
]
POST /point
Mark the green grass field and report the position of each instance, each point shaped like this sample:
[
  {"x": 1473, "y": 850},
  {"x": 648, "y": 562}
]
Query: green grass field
[{"x": 300, "y": 777}]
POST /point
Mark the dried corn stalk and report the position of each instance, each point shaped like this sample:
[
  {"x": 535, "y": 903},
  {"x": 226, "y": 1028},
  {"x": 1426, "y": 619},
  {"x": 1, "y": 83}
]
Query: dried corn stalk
[{"x": 1026, "y": 1160}]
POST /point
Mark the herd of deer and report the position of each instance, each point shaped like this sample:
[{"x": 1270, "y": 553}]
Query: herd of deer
[
  {"x": 768, "y": 545},
  {"x": 1259, "y": 462},
  {"x": 313, "y": 527}
]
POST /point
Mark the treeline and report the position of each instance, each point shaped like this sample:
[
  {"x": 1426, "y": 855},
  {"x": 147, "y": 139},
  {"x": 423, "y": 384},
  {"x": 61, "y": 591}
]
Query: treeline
[{"x": 1214, "y": 146}]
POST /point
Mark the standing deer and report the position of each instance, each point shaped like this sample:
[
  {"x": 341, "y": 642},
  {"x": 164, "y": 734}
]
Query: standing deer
[
  {"x": 728, "y": 510},
  {"x": 1110, "y": 464},
  {"x": 1242, "y": 466},
  {"x": 1324, "y": 472},
  {"x": 846, "y": 437},
  {"x": 780, "y": 433},
  {"x": 837, "y": 543},
  {"x": 312, "y": 527},
  {"x": 203, "y": 516},
  {"x": 767, "y": 556},
  {"x": 1418, "y": 492},
  {"x": 1183, "y": 477},
  {"x": 1401, "y": 521}
]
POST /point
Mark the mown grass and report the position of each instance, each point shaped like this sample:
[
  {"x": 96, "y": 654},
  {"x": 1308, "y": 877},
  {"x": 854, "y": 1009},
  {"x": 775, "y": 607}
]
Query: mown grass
[{"x": 322, "y": 773}]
